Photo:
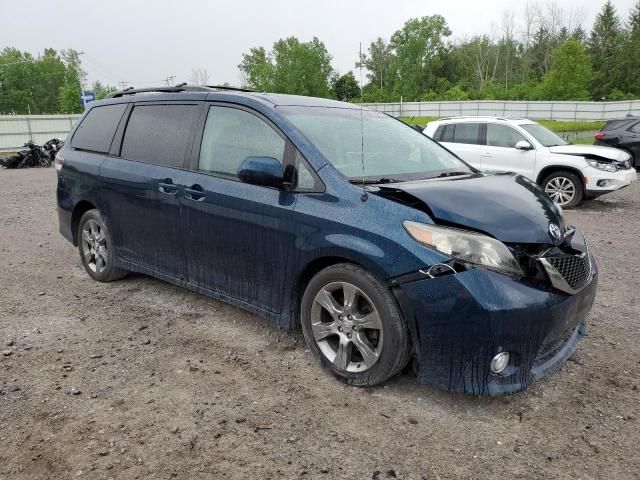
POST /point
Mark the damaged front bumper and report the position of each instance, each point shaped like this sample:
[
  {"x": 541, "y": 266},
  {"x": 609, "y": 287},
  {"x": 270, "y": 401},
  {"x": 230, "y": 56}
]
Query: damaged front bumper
[{"x": 461, "y": 321}]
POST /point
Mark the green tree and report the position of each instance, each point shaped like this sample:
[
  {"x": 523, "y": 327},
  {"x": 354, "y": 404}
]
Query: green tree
[
  {"x": 258, "y": 68},
  {"x": 377, "y": 63},
  {"x": 420, "y": 51},
  {"x": 301, "y": 68},
  {"x": 101, "y": 91},
  {"x": 630, "y": 57},
  {"x": 69, "y": 93},
  {"x": 17, "y": 70},
  {"x": 570, "y": 74},
  {"x": 345, "y": 87},
  {"x": 604, "y": 46}
]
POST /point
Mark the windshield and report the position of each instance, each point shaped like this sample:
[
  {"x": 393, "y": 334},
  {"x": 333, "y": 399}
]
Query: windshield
[
  {"x": 393, "y": 151},
  {"x": 543, "y": 135}
]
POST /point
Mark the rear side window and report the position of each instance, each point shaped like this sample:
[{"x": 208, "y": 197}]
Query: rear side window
[
  {"x": 466, "y": 133},
  {"x": 502, "y": 136},
  {"x": 96, "y": 131},
  {"x": 231, "y": 135},
  {"x": 159, "y": 134},
  {"x": 636, "y": 128},
  {"x": 447, "y": 133}
]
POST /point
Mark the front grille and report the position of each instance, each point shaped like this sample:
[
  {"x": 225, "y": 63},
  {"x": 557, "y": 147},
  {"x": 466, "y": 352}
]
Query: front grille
[{"x": 569, "y": 273}]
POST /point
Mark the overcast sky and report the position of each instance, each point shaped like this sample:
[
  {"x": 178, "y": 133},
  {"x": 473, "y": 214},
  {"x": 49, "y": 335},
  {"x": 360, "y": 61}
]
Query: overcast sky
[{"x": 144, "y": 42}]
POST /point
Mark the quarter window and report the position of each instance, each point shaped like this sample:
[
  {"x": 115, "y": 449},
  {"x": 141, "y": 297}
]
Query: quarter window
[
  {"x": 466, "y": 133},
  {"x": 502, "y": 136},
  {"x": 159, "y": 134},
  {"x": 96, "y": 131},
  {"x": 636, "y": 128},
  {"x": 231, "y": 135}
]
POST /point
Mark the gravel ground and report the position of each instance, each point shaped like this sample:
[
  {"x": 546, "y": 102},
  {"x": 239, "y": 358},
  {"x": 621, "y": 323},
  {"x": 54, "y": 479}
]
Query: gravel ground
[{"x": 141, "y": 379}]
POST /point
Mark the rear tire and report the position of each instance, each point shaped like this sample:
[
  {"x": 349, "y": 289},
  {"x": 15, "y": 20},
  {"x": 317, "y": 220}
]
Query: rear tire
[
  {"x": 95, "y": 247},
  {"x": 564, "y": 188},
  {"x": 353, "y": 326}
]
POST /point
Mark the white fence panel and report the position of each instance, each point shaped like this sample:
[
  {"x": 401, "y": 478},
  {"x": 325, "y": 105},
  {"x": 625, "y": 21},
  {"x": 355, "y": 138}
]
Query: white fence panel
[
  {"x": 563, "y": 111},
  {"x": 15, "y": 130}
]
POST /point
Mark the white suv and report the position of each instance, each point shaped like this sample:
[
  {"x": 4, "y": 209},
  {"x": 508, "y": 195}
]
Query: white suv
[{"x": 568, "y": 173}]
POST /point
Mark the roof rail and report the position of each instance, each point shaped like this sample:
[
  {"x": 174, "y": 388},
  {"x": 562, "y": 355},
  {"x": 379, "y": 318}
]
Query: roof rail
[
  {"x": 474, "y": 116},
  {"x": 181, "y": 87},
  {"x": 229, "y": 87}
]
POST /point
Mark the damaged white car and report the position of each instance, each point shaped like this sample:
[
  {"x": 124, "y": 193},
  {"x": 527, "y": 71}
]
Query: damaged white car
[{"x": 568, "y": 173}]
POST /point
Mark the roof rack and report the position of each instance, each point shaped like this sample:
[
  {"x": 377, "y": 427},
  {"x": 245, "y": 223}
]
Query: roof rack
[
  {"x": 181, "y": 87},
  {"x": 474, "y": 116}
]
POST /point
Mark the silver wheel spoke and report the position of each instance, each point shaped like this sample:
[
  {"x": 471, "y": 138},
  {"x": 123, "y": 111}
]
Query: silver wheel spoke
[
  {"x": 350, "y": 296},
  {"x": 343, "y": 355},
  {"x": 369, "y": 355},
  {"x": 371, "y": 320},
  {"x": 102, "y": 252},
  {"x": 323, "y": 330},
  {"x": 325, "y": 298},
  {"x": 85, "y": 236}
]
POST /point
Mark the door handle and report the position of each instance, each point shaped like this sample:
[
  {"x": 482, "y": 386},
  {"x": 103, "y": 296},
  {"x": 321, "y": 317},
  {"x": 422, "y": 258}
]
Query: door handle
[
  {"x": 194, "y": 192},
  {"x": 486, "y": 154},
  {"x": 167, "y": 186}
]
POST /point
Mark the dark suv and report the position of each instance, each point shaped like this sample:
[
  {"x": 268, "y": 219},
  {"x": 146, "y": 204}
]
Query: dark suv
[
  {"x": 623, "y": 133},
  {"x": 381, "y": 244}
]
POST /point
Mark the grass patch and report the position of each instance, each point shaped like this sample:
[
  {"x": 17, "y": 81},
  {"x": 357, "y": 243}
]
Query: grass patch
[
  {"x": 561, "y": 127},
  {"x": 554, "y": 125},
  {"x": 418, "y": 120}
]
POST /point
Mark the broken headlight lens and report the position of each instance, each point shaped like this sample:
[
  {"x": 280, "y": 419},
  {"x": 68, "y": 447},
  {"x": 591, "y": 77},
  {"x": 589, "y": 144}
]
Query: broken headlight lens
[
  {"x": 604, "y": 166},
  {"x": 466, "y": 246}
]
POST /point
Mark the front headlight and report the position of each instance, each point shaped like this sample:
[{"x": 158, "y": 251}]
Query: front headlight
[
  {"x": 466, "y": 246},
  {"x": 605, "y": 166}
]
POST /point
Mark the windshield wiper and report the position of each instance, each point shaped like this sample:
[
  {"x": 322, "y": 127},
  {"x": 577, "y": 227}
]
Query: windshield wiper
[
  {"x": 452, "y": 174},
  {"x": 372, "y": 181}
]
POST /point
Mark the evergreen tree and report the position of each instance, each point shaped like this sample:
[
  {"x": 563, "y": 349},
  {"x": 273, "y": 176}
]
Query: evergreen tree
[{"x": 604, "y": 47}]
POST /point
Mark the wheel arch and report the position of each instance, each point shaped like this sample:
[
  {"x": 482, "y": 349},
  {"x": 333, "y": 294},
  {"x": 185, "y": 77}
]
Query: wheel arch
[
  {"x": 80, "y": 209},
  {"x": 311, "y": 269},
  {"x": 546, "y": 171}
]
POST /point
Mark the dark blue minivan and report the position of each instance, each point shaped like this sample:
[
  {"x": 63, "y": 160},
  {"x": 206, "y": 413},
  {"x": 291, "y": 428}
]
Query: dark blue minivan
[{"x": 380, "y": 244}]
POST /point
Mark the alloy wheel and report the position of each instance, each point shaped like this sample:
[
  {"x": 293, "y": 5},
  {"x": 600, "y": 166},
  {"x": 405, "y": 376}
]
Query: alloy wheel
[
  {"x": 94, "y": 246},
  {"x": 561, "y": 190},
  {"x": 346, "y": 327}
]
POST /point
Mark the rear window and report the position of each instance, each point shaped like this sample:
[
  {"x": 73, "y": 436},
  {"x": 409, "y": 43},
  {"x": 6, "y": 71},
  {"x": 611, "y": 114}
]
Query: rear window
[
  {"x": 466, "y": 133},
  {"x": 97, "y": 129},
  {"x": 158, "y": 134}
]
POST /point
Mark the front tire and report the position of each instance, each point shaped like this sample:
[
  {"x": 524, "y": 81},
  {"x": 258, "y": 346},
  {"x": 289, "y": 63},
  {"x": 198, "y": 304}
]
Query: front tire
[
  {"x": 564, "y": 188},
  {"x": 353, "y": 326},
  {"x": 95, "y": 247}
]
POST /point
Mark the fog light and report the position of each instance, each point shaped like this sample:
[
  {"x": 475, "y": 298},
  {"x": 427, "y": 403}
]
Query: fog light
[
  {"x": 500, "y": 362},
  {"x": 603, "y": 183}
]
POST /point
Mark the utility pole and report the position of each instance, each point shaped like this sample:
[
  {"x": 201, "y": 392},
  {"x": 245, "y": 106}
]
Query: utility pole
[
  {"x": 169, "y": 80},
  {"x": 84, "y": 100}
]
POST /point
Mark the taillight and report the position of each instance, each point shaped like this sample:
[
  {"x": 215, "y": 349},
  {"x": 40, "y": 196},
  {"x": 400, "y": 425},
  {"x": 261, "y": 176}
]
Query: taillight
[
  {"x": 599, "y": 136},
  {"x": 59, "y": 161}
]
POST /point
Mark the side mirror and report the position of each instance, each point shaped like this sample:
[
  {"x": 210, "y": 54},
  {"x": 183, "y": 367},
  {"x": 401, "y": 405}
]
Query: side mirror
[
  {"x": 265, "y": 171},
  {"x": 523, "y": 145}
]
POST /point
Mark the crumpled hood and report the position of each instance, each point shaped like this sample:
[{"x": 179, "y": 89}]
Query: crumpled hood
[
  {"x": 508, "y": 207},
  {"x": 592, "y": 151}
]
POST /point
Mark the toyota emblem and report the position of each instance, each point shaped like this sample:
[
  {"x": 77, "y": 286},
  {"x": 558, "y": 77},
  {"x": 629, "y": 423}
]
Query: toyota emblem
[{"x": 554, "y": 230}]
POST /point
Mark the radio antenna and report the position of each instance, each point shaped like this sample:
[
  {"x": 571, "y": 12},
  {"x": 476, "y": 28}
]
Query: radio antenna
[{"x": 364, "y": 196}]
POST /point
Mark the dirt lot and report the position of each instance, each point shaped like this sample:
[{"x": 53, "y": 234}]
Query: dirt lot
[{"x": 141, "y": 379}]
